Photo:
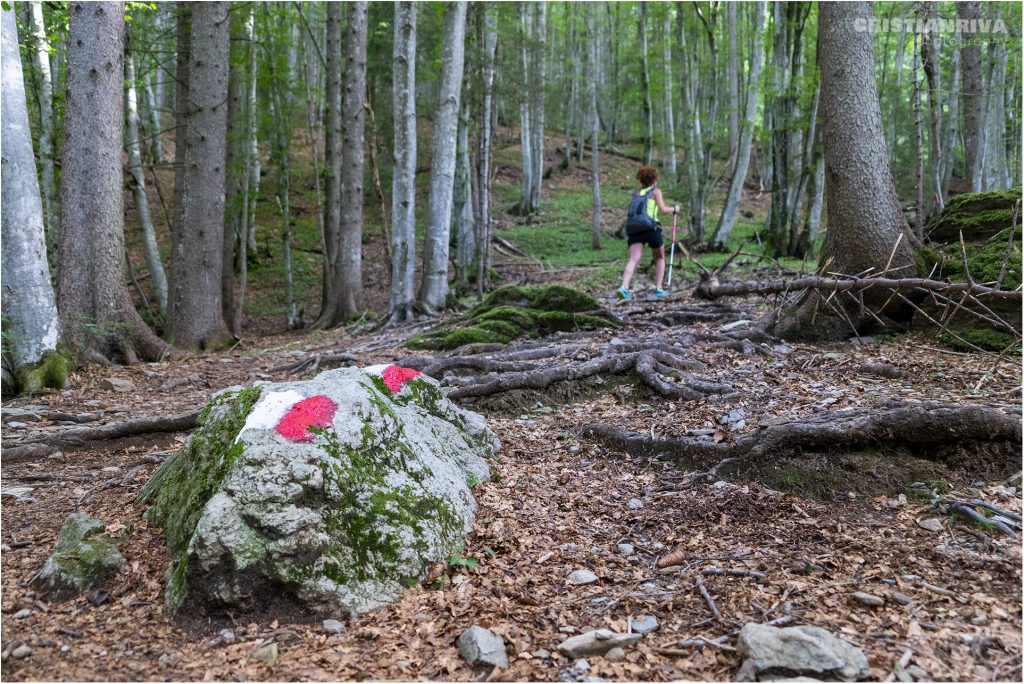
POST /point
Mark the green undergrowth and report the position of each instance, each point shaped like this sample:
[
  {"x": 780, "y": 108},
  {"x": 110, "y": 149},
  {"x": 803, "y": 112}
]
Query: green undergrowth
[{"x": 515, "y": 311}]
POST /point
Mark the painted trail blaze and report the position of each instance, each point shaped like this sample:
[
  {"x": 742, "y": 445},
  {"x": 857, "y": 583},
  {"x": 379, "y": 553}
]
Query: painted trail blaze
[
  {"x": 315, "y": 411},
  {"x": 396, "y": 376}
]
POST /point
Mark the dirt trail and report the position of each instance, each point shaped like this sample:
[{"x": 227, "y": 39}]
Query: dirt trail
[{"x": 557, "y": 503}]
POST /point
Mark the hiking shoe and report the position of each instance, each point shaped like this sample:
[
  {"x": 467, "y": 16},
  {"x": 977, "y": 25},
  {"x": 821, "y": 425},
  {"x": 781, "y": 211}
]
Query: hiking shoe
[
  {"x": 660, "y": 293},
  {"x": 624, "y": 294}
]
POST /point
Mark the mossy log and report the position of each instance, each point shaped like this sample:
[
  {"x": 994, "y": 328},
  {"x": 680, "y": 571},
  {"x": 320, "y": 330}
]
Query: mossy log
[
  {"x": 978, "y": 215},
  {"x": 514, "y": 311}
]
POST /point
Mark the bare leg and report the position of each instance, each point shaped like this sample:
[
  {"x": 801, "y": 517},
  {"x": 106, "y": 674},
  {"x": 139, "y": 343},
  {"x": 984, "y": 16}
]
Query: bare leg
[
  {"x": 635, "y": 252},
  {"x": 659, "y": 266}
]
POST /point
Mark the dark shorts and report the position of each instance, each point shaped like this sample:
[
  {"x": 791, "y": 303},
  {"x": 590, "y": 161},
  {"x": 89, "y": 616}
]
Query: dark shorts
[{"x": 652, "y": 238}]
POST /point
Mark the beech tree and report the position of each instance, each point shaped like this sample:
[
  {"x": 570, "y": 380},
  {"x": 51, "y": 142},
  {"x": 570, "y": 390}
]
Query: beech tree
[
  {"x": 434, "y": 284},
  {"x": 194, "y": 309},
  {"x": 403, "y": 195},
  {"x": 30, "y": 314},
  {"x": 98, "y": 319},
  {"x": 44, "y": 102}
]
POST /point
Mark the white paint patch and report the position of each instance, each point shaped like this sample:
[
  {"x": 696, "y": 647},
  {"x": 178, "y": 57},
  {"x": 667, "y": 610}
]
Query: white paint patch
[{"x": 269, "y": 410}]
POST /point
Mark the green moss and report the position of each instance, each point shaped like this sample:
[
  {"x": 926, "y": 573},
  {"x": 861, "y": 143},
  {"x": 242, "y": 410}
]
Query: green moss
[
  {"x": 985, "y": 260},
  {"x": 977, "y": 215},
  {"x": 180, "y": 488},
  {"x": 990, "y": 340},
  {"x": 51, "y": 371},
  {"x": 84, "y": 557}
]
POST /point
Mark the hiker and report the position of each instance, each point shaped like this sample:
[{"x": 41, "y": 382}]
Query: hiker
[{"x": 644, "y": 229}]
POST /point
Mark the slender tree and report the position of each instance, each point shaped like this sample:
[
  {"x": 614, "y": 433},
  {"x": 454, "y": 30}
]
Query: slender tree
[
  {"x": 462, "y": 212},
  {"x": 537, "y": 88},
  {"x": 595, "y": 131},
  {"x": 194, "y": 310},
  {"x": 30, "y": 314},
  {"x": 526, "y": 206},
  {"x": 434, "y": 285},
  {"x": 489, "y": 42},
  {"x": 332, "y": 160},
  {"x": 97, "y": 317},
  {"x": 403, "y": 195},
  {"x": 44, "y": 102},
  {"x": 645, "y": 86},
  {"x": 733, "y": 71},
  {"x": 670, "y": 119},
  {"x": 973, "y": 98}
]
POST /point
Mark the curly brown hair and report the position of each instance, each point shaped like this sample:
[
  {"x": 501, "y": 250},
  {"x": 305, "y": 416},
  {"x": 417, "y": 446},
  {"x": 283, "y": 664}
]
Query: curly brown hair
[{"x": 647, "y": 175}]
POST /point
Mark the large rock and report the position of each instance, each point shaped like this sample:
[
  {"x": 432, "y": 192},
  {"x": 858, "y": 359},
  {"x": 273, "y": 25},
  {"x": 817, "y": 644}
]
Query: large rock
[
  {"x": 83, "y": 557},
  {"x": 330, "y": 494},
  {"x": 482, "y": 648},
  {"x": 797, "y": 651}
]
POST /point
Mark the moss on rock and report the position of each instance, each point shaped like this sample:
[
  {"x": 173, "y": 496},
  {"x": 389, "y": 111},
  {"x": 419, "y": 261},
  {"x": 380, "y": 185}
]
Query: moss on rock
[
  {"x": 990, "y": 340},
  {"x": 84, "y": 557},
  {"x": 514, "y": 311},
  {"x": 51, "y": 371},
  {"x": 978, "y": 215}
]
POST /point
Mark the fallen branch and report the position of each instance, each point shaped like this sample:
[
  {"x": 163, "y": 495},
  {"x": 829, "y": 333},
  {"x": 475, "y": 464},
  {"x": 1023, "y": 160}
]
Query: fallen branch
[
  {"x": 967, "y": 511},
  {"x": 699, "y": 583},
  {"x": 79, "y": 436},
  {"x": 711, "y": 288},
  {"x": 737, "y": 572},
  {"x": 312, "y": 364},
  {"x": 918, "y": 423}
]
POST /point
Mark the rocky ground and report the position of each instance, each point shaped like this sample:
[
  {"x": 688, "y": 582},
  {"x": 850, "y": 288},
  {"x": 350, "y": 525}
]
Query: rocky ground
[{"x": 558, "y": 504}]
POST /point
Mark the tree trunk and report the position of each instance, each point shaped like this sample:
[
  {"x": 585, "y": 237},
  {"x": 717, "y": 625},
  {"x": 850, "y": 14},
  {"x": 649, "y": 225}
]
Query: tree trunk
[
  {"x": 403, "y": 193},
  {"x": 44, "y": 100},
  {"x": 332, "y": 164},
  {"x": 931, "y": 72},
  {"x": 138, "y": 180},
  {"x": 537, "y": 91},
  {"x": 96, "y": 312},
  {"x": 739, "y": 176},
  {"x": 31, "y": 323},
  {"x": 918, "y": 145},
  {"x": 348, "y": 282},
  {"x": 996, "y": 175},
  {"x": 525, "y": 125},
  {"x": 734, "y": 85},
  {"x": 867, "y": 232},
  {"x": 237, "y": 172},
  {"x": 194, "y": 310},
  {"x": 645, "y": 86},
  {"x": 670, "y": 119},
  {"x": 483, "y": 184},
  {"x": 970, "y": 56},
  {"x": 156, "y": 145},
  {"x": 952, "y": 129},
  {"x": 595, "y": 131},
  {"x": 462, "y": 213},
  {"x": 434, "y": 285}
]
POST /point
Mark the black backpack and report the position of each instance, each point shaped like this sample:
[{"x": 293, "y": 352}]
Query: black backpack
[{"x": 637, "y": 218}]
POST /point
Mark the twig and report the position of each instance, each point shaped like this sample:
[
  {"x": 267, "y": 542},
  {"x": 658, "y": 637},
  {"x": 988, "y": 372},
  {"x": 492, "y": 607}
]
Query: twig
[
  {"x": 738, "y": 572},
  {"x": 1009, "y": 246},
  {"x": 965, "y": 509},
  {"x": 995, "y": 509},
  {"x": 900, "y": 665},
  {"x": 699, "y": 582}
]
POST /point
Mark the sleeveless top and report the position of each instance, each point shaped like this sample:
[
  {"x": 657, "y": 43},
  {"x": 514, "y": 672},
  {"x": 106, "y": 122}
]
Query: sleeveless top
[{"x": 652, "y": 206}]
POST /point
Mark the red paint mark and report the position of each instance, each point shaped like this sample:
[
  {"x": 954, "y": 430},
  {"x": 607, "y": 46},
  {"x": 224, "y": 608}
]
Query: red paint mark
[
  {"x": 396, "y": 376},
  {"x": 315, "y": 411}
]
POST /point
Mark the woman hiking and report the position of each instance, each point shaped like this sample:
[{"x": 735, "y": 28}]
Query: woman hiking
[{"x": 652, "y": 236}]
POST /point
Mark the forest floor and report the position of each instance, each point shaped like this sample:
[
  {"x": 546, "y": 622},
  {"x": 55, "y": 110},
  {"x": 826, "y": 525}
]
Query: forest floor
[
  {"x": 559, "y": 503},
  {"x": 818, "y": 525}
]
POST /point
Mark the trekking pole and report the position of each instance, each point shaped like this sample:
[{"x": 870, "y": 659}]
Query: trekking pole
[{"x": 672, "y": 249}]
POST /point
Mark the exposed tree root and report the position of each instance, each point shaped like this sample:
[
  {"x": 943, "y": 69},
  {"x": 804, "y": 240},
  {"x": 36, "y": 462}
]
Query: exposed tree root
[
  {"x": 79, "y": 436},
  {"x": 307, "y": 365},
  {"x": 917, "y": 424}
]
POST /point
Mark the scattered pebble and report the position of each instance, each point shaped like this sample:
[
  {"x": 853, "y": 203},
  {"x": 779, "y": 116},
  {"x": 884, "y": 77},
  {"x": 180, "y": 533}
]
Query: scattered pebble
[
  {"x": 626, "y": 549},
  {"x": 568, "y": 629},
  {"x": 930, "y": 524},
  {"x": 615, "y": 654},
  {"x": 23, "y": 651},
  {"x": 1000, "y": 613},
  {"x": 867, "y": 599},
  {"x": 64, "y": 648},
  {"x": 265, "y": 654},
  {"x": 635, "y": 504},
  {"x": 23, "y": 613},
  {"x": 979, "y": 620},
  {"x": 900, "y": 598},
  {"x": 582, "y": 664},
  {"x": 648, "y": 623},
  {"x": 333, "y": 627},
  {"x": 541, "y": 653},
  {"x": 582, "y": 577}
]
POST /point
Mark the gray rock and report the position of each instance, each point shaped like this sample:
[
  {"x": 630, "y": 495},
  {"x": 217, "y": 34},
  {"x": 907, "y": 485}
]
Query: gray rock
[
  {"x": 798, "y": 651},
  {"x": 22, "y": 651},
  {"x": 23, "y": 613},
  {"x": 930, "y": 524},
  {"x": 118, "y": 385},
  {"x": 615, "y": 654},
  {"x": 596, "y": 642},
  {"x": 626, "y": 549},
  {"x": 227, "y": 636},
  {"x": 581, "y": 664},
  {"x": 482, "y": 648},
  {"x": 648, "y": 623},
  {"x": 867, "y": 599},
  {"x": 345, "y": 516},
  {"x": 582, "y": 577},
  {"x": 265, "y": 654},
  {"x": 84, "y": 557},
  {"x": 568, "y": 629},
  {"x": 635, "y": 504},
  {"x": 17, "y": 425},
  {"x": 333, "y": 627},
  {"x": 22, "y": 414},
  {"x": 900, "y": 598},
  {"x": 979, "y": 620}
]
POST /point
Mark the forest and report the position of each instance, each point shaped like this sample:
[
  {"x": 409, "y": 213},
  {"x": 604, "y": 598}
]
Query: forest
[{"x": 315, "y": 366}]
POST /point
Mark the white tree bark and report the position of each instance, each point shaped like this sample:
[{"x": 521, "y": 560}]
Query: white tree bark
[
  {"x": 403, "y": 195},
  {"x": 32, "y": 325},
  {"x": 44, "y": 100},
  {"x": 462, "y": 214},
  {"x": 996, "y": 175},
  {"x": 138, "y": 181},
  {"x": 153, "y": 113},
  {"x": 537, "y": 89},
  {"x": 483, "y": 184},
  {"x": 434, "y": 286},
  {"x": 595, "y": 131},
  {"x": 734, "y": 83},
  {"x": 739, "y": 176},
  {"x": 525, "y": 129},
  {"x": 670, "y": 120}
]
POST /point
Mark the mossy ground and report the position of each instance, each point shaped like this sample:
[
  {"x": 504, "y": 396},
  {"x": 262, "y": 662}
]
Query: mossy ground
[{"x": 514, "y": 311}]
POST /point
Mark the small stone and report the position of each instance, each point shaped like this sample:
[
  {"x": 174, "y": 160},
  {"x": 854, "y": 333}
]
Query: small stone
[
  {"x": 633, "y": 559},
  {"x": 615, "y": 654},
  {"x": 1000, "y": 613},
  {"x": 582, "y": 577},
  {"x": 17, "y": 425},
  {"x": 110, "y": 469},
  {"x": 648, "y": 623},
  {"x": 626, "y": 549},
  {"x": 568, "y": 629},
  {"x": 616, "y": 342},
  {"x": 64, "y": 648},
  {"x": 635, "y": 504},
  {"x": 910, "y": 578},
  {"x": 867, "y": 599},
  {"x": 598, "y": 600},
  {"x": 917, "y": 673},
  {"x": 541, "y": 653},
  {"x": 23, "y": 651},
  {"x": 582, "y": 664},
  {"x": 569, "y": 548},
  {"x": 735, "y": 325},
  {"x": 168, "y": 660},
  {"x": 482, "y": 648},
  {"x": 265, "y": 654},
  {"x": 979, "y": 620},
  {"x": 118, "y": 385},
  {"x": 333, "y": 627},
  {"x": 596, "y": 642},
  {"x": 900, "y": 598},
  {"x": 930, "y": 524},
  {"x": 227, "y": 636},
  {"x": 403, "y": 663},
  {"x": 23, "y": 613}
]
